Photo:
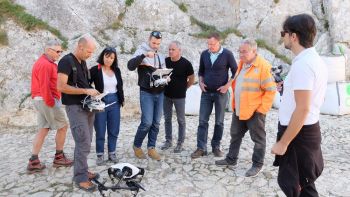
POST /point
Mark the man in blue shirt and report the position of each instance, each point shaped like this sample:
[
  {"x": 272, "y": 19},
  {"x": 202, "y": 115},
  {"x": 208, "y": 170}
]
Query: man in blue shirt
[{"x": 214, "y": 82}]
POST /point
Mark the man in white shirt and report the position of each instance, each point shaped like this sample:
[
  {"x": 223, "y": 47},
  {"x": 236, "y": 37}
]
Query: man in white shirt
[{"x": 298, "y": 151}]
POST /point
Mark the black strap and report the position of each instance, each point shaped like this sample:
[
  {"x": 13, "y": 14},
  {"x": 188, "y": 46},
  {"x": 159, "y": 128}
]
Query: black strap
[
  {"x": 155, "y": 61},
  {"x": 75, "y": 71},
  {"x": 74, "y": 68}
]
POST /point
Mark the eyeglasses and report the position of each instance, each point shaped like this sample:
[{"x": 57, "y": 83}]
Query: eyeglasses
[
  {"x": 57, "y": 51},
  {"x": 156, "y": 34},
  {"x": 242, "y": 52},
  {"x": 283, "y": 33}
]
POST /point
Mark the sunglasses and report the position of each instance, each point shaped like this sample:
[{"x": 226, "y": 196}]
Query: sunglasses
[
  {"x": 110, "y": 49},
  {"x": 156, "y": 34},
  {"x": 57, "y": 51},
  {"x": 284, "y": 32}
]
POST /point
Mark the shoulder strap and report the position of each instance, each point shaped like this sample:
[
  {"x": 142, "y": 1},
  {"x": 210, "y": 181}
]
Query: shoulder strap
[{"x": 74, "y": 68}]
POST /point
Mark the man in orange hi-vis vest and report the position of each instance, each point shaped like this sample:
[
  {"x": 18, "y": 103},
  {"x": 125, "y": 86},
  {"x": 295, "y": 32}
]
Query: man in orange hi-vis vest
[{"x": 254, "y": 90}]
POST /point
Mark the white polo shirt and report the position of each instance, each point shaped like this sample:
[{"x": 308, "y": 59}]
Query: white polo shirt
[{"x": 307, "y": 72}]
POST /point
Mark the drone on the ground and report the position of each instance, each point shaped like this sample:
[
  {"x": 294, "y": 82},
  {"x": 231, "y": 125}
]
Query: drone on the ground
[
  {"x": 95, "y": 103},
  {"x": 123, "y": 176}
]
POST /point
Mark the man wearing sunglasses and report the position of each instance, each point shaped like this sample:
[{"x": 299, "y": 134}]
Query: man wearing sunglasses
[
  {"x": 46, "y": 100},
  {"x": 147, "y": 59},
  {"x": 298, "y": 147}
]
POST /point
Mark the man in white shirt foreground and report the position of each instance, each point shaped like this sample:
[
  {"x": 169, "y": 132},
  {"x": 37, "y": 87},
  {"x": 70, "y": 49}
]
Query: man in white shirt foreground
[{"x": 298, "y": 151}]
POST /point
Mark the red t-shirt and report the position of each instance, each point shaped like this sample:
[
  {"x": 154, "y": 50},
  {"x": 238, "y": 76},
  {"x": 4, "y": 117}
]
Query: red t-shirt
[{"x": 44, "y": 80}]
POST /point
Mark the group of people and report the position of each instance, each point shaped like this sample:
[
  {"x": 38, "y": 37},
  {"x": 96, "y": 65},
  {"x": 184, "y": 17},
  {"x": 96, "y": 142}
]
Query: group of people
[{"x": 297, "y": 148}]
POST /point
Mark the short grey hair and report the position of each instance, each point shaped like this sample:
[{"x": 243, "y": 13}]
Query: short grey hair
[
  {"x": 52, "y": 43},
  {"x": 251, "y": 42},
  {"x": 177, "y": 43}
]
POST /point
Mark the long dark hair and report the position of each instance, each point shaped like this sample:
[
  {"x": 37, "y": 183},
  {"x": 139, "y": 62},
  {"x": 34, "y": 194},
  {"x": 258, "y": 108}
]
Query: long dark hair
[{"x": 108, "y": 51}]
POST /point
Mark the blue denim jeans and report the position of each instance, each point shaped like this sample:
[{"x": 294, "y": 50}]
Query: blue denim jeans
[
  {"x": 208, "y": 100},
  {"x": 110, "y": 119},
  {"x": 180, "y": 115},
  {"x": 151, "y": 113}
]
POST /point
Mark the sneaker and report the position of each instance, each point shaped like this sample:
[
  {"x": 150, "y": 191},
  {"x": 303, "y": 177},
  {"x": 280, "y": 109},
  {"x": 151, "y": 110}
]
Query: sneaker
[
  {"x": 198, "y": 153},
  {"x": 139, "y": 153},
  {"x": 61, "y": 160},
  {"x": 87, "y": 186},
  {"x": 112, "y": 158},
  {"x": 166, "y": 145},
  {"x": 35, "y": 166},
  {"x": 217, "y": 152},
  {"x": 178, "y": 148},
  {"x": 100, "y": 160},
  {"x": 253, "y": 171},
  {"x": 225, "y": 162},
  {"x": 152, "y": 153}
]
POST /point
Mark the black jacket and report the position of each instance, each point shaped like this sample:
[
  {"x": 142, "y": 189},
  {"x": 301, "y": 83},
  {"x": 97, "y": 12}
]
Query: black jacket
[
  {"x": 144, "y": 74},
  {"x": 97, "y": 80}
]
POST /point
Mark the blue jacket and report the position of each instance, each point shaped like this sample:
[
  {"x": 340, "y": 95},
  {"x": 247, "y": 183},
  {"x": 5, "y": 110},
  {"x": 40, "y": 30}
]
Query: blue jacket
[{"x": 216, "y": 75}]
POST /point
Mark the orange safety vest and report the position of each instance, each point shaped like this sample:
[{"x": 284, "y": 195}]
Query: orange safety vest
[{"x": 258, "y": 89}]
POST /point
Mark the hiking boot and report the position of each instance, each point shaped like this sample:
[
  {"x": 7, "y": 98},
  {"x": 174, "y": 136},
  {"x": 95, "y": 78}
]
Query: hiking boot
[
  {"x": 217, "y": 152},
  {"x": 61, "y": 160},
  {"x": 166, "y": 145},
  {"x": 198, "y": 153},
  {"x": 139, "y": 153},
  {"x": 253, "y": 171},
  {"x": 100, "y": 160},
  {"x": 152, "y": 153},
  {"x": 87, "y": 186},
  {"x": 92, "y": 175},
  {"x": 178, "y": 148},
  {"x": 112, "y": 158},
  {"x": 225, "y": 162},
  {"x": 35, "y": 166}
]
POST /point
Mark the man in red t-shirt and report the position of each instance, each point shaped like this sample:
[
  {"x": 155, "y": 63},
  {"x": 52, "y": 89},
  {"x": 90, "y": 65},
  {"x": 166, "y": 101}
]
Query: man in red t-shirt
[{"x": 46, "y": 99}]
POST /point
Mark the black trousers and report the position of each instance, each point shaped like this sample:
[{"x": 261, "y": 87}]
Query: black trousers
[{"x": 302, "y": 163}]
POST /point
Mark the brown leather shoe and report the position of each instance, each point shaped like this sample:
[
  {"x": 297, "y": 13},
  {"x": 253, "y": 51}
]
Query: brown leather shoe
[
  {"x": 152, "y": 153},
  {"x": 217, "y": 152},
  {"x": 87, "y": 186},
  {"x": 35, "y": 166},
  {"x": 61, "y": 160},
  {"x": 198, "y": 153},
  {"x": 139, "y": 153},
  {"x": 92, "y": 175}
]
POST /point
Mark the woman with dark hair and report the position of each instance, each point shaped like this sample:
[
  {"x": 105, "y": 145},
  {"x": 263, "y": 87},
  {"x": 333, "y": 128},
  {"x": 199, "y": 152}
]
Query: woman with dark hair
[{"x": 106, "y": 77}]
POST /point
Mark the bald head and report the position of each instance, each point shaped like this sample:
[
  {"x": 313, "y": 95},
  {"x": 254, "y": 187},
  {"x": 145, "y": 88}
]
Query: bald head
[{"x": 86, "y": 47}]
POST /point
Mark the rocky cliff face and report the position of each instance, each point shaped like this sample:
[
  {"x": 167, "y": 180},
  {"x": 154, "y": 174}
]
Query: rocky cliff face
[{"x": 125, "y": 26}]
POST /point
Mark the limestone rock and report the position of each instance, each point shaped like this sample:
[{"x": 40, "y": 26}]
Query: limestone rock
[
  {"x": 156, "y": 15},
  {"x": 222, "y": 15},
  {"x": 74, "y": 18},
  {"x": 339, "y": 23}
]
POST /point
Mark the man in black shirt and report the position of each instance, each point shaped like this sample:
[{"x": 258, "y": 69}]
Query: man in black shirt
[
  {"x": 175, "y": 94},
  {"x": 73, "y": 83}
]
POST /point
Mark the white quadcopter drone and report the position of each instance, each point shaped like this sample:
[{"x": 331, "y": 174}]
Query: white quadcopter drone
[
  {"x": 160, "y": 77},
  {"x": 125, "y": 176},
  {"x": 95, "y": 103}
]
